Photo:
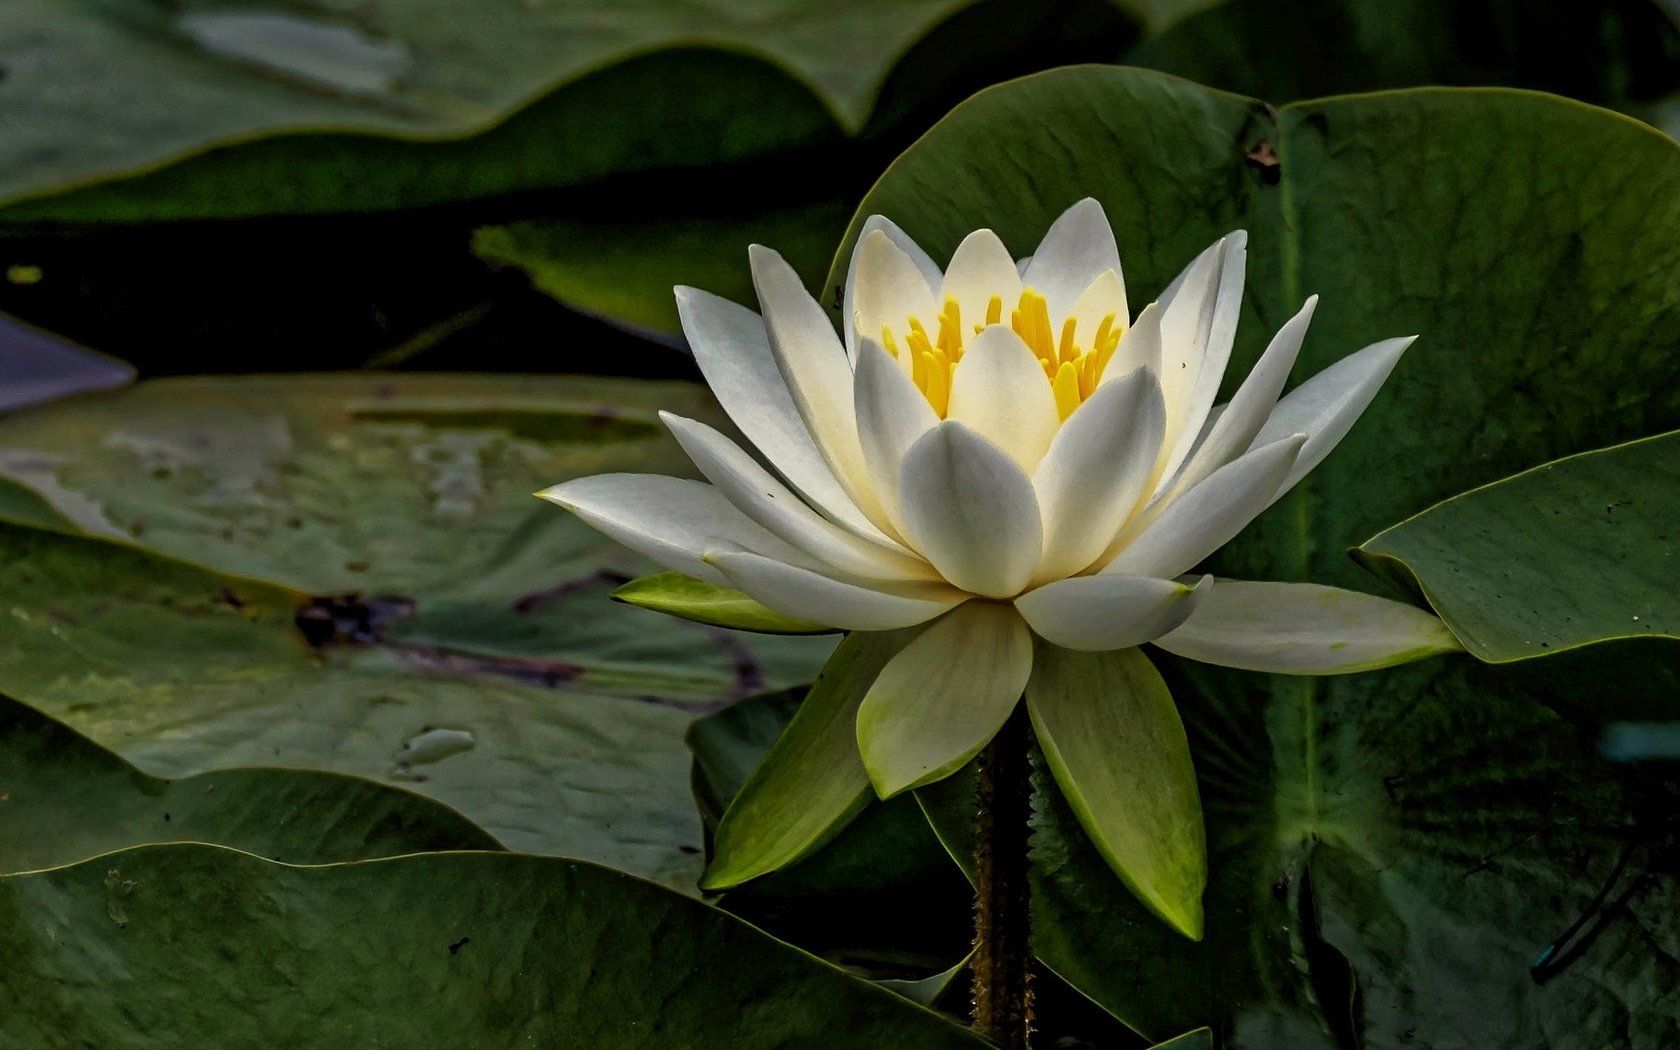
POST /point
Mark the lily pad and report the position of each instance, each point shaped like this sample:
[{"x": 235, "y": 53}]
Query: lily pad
[
  {"x": 196, "y": 946},
  {"x": 1448, "y": 825},
  {"x": 1561, "y": 571},
  {"x": 63, "y": 799},
  {"x": 411, "y": 586},
  {"x": 363, "y": 95}
]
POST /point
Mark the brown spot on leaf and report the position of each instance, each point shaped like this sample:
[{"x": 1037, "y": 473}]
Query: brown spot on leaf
[
  {"x": 1264, "y": 158},
  {"x": 350, "y": 619}
]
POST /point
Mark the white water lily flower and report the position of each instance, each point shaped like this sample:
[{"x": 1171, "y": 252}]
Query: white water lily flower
[{"x": 1006, "y": 451}]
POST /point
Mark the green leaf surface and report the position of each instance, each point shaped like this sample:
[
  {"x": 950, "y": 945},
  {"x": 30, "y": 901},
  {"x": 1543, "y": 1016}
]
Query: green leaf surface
[
  {"x": 195, "y": 946},
  {"x": 811, "y": 783},
  {"x": 676, "y": 594},
  {"x": 1114, "y": 742},
  {"x": 1448, "y": 825},
  {"x": 412, "y": 591},
  {"x": 670, "y": 89},
  {"x": 63, "y": 799},
  {"x": 623, "y": 266},
  {"x": 1567, "y": 570}
]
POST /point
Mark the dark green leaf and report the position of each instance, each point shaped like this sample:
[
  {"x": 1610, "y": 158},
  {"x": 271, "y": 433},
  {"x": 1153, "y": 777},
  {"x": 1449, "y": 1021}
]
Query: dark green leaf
[
  {"x": 195, "y": 946},
  {"x": 1451, "y": 826},
  {"x": 374, "y": 90},
  {"x": 63, "y": 798},
  {"x": 1560, "y": 571}
]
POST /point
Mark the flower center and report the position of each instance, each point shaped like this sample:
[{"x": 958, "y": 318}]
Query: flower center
[{"x": 1072, "y": 365}]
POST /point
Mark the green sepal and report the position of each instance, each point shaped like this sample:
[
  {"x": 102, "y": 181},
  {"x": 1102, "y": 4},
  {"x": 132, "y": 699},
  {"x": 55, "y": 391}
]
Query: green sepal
[
  {"x": 811, "y": 783},
  {"x": 1112, "y": 737},
  {"x": 684, "y": 596}
]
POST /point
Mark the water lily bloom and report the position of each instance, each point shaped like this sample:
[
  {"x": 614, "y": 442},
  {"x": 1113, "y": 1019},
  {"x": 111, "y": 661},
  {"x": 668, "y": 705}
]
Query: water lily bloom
[{"x": 1009, "y": 475}]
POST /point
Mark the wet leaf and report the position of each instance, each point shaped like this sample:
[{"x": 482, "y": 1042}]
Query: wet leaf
[
  {"x": 375, "y": 90},
  {"x": 63, "y": 799},
  {"x": 199, "y": 946},
  {"x": 410, "y": 584},
  {"x": 1564, "y": 572}
]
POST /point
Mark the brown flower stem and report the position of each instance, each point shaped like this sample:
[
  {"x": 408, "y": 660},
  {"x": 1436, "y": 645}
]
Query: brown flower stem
[{"x": 1002, "y": 962}]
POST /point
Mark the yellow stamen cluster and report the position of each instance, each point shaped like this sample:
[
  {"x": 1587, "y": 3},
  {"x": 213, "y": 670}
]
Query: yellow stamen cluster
[{"x": 1073, "y": 370}]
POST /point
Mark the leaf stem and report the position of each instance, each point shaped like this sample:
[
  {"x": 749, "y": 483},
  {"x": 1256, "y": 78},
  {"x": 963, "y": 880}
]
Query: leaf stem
[{"x": 1002, "y": 962}]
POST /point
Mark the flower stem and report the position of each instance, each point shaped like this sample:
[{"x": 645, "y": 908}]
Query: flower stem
[{"x": 1002, "y": 962}]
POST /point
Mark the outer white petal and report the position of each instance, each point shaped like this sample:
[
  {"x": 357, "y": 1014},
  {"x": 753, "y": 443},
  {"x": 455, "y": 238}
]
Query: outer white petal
[
  {"x": 1095, "y": 471},
  {"x": 938, "y": 702},
  {"x": 1231, "y": 428},
  {"x": 1305, "y": 628},
  {"x": 891, "y": 413},
  {"x": 1139, "y": 348},
  {"x": 887, "y": 290},
  {"x": 980, "y": 268},
  {"x": 1326, "y": 406},
  {"x": 767, "y": 501},
  {"x": 1110, "y": 611},
  {"x": 1000, "y": 390},
  {"x": 1201, "y": 521},
  {"x": 1077, "y": 248},
  {"x": 1105, "y": 295},
  {"x": 733, "y": 351},
  {"x": 810, "y": 595},
  {"x": 818, "y": 375},
  {"x": 924, "y": 265},
  {"x": 971, "y": 511},
  {"x": 671, "y": 520},
  {"x": 1198, "y": 326}
]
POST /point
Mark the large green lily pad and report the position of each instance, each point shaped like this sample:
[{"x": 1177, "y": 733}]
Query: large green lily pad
[
  {"x": 195, "y": 946},
  {"x": 414, "y": 599},
  {"x": 1449, "y": 826},
  {"x": 359, "y": 90},
  {"x": 64, "y": 799},
  {"x": 1567, "y": 571}
]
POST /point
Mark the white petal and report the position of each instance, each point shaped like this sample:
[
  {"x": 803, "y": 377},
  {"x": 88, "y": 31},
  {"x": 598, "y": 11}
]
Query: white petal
[
  {"x": 818, "y": 375},
  {"x": 1202, "y": 520},
  {"x": 1110, "y": 611},
  {"x": 1232, "y": 428},
  {"x": 1096, "y": 468},
  {"x": 971, "y": 511},
  {"x": 1198, "y": 326},
  {"x": 1326, "y": 406},
  {"x": 1000, "y": 390},
  {"x": 1077, "y": 248},
  {"x": 887, "y": 290},
  {"x": 809, "y": 595},
  {"x": 671, "y": 520},
  {"x": 980, "y": 269},
  {"x": 1106, "y": 295},
  {"x": 1139, "y": 348},
  {"x": 1305, "y": 628},
  {"x": 891, "y": 413},
  {"x": 913, "y": 251},
  {"x": 939, "y": 701},
  {"x": 733, "y": 351},
  {"x": 767, "y": 501}
]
